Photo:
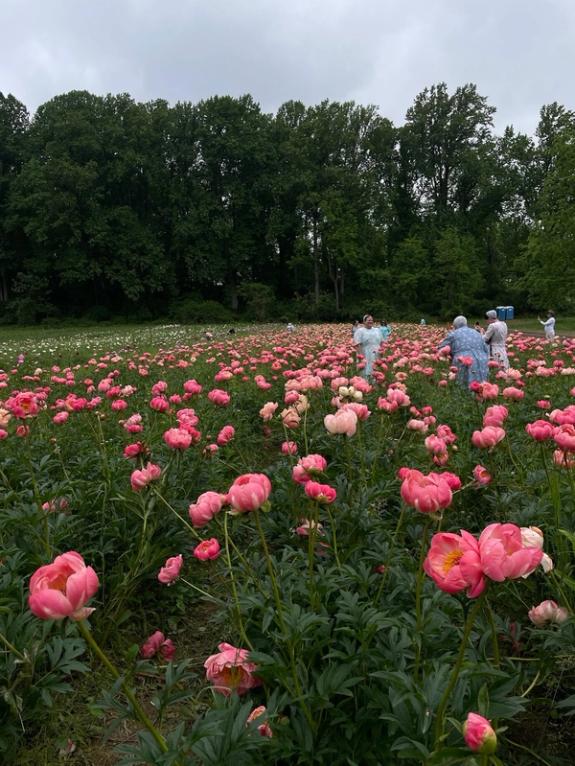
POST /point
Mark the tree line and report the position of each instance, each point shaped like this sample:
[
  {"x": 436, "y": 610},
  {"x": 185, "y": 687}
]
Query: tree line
[{"x": 110, "y": 207}]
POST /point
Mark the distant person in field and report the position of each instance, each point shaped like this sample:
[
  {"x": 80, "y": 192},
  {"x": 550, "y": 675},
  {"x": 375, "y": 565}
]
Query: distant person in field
[
  {"x": 422, "y": 322},
  {"x": 385, "y": 331},
  {"x": 367, "y": 340},
  {"x": 549, "y": 325},
  {"x": 290, "y": 327},
  {"x": 468, "y": 351},
  {"x": 496, "y": 337}
]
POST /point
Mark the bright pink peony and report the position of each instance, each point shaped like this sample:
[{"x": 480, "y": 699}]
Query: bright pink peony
[
  {"x": 177, "y": 438},
  {"x": 540, "y": 430},
  {"x": 62, "y": 588},
  {"x": 205, "y": 508},
  {"x": 426, "y": 493},
  {"x": 230, "y": 670},
  {"x": 249, "y": 492},
  {"x": 226, "y": 434},
  {"x": 453, "y": 563},
  {"x": 141, "y": 478},
  {"x": 479, "y": 735},
  {"x": 481, "y": 475},
  {"x": 321, "y": 493},
  {"x": 207, "y": 550},
  {"x": 564, "y": 437}
]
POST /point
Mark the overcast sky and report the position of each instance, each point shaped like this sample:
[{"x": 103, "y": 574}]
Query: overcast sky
[{"x": 520, "y": 53}]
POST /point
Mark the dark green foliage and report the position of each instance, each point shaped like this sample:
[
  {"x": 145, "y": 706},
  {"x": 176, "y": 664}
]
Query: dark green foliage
[{"x": 131, "y": 207}]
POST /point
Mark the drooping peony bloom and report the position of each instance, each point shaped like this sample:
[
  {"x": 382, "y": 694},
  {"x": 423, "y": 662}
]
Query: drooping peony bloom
[
  {"x": 548, "y": 611},
  {"x": 205, "y": 508},
  {"x": 249, "y": 492},
  {"x": 481, "y": 476},
  {"x": 488, "y": 437},
  {"x": 454, "y": 564},
  {"x": 503, "y": 555},
  {"x": 63, "y": 588},
  {"x": 427, "y": 494},
  {"x": 207, "y": 550},
  {"x": 171, "y": 569},
  {"x": 157, "y": 643},
  {"x": 479, "y": 735},
  {"x": 321, "y": 493},
  {"x": 230, "y": 670},
  {"x": 307, "y": 467},
  {"x": 141, "y": 478}
]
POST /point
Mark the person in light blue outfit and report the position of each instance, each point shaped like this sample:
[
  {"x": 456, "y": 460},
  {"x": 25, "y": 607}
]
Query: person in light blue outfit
[
  {"x": 367, "y": 340},
  {"x": 468, "y": 351},
  {"x": 385, "y": 331}
]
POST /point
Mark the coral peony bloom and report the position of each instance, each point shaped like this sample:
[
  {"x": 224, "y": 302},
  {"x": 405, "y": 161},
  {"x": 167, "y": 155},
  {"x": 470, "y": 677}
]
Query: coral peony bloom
[
  {"x": 540, "y": 430},
  {"x": 230, "y": 670},
  {"x": 289, "y": 448},
  {"x": 207, "y": 549},
  {"x": 62, "y": 588},
  {"x": 307, "y": 467},
  {"x": 177, "y": 438},
  {"x": 249, "y": 492},
  {"x": 488, "y": 437},
  {"x": 141, "y": 478},
  {"x": 564, "y": 437},
  {"x": 481, "y": 475},
  {"x": 219, "y": 397},
  {"x": 548, "y": 611},
  {"x": 479, "y": 735},
  {"x": 426, "y": 493},
  {"x": 226, "y": 434},
  {"x": 157, "y": 643},
  {"x": 453, "y": 563},
  {"x": 268, "y": 410},
  {"x": 321, "y": 493},
  {"x": 205, "y": 508},
  {"x": 171, "y": 569},
  {"x": 60, "y": 418},
  {"x": 503, "y": 555}
]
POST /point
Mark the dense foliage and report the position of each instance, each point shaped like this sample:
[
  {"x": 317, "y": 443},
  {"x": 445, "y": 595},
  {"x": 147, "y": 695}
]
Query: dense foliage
[
  {"x": 253, "y": 495},
  {"x": 109, "y": 207}
]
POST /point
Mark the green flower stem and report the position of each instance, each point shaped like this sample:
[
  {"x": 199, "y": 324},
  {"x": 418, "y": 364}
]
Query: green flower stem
[
  {"x": 390, "y": 553},
  {"x": 279, "y": 607},
  {"x": 204, "y": 593},
  {"x": 494, "y": 637},
  {"x": 333, "y": 536},
  {"x": 140, "y": 713},
  {"x": 176, "y": 514},
  {"x": 418, "y": 599},
  {"x": 440, "y": 713},
  {"x": 233, "y": 584},
  {"x": 556, "y": 501},
  {"x": 12, "y": 648},
  {"x": 305, "y": 431}
]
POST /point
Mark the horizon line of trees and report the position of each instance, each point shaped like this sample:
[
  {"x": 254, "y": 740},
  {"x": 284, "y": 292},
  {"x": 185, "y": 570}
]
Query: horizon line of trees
[{"x": 110, "y": 207}]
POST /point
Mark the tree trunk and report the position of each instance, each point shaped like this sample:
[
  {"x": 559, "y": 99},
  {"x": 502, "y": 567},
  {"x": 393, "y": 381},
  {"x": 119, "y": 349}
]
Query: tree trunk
[{"x": 315, "y": 261}]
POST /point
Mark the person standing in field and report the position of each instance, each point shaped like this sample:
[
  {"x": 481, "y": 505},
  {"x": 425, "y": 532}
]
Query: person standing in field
[
  {"x": 549, "y": 325},
  {"x": 385, "y": 331},
  {"x": 468, "y": 351},
  {"x": 367, "y": 340},
  {"x": 496, "y": 337}
]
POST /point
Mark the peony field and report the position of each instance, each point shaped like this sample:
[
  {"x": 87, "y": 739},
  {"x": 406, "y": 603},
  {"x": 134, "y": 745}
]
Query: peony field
[{"x": 238, "y": 551}]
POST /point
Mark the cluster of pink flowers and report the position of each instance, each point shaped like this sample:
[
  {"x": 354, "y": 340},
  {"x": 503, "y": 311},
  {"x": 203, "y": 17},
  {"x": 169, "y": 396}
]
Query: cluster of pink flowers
[
  {"x": 463, "y": 562},
  {"x": 140, "y": 478},
  {"x": 158, "y": 644}
]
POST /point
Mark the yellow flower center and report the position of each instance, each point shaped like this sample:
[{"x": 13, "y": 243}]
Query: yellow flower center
[{"x": 451, "y": 560}]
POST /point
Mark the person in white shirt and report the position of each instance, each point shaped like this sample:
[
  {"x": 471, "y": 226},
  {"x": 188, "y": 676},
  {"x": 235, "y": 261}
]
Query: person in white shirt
[
  {"x": 367, "y": 340},
  {"x": 496, "y": 337},
  {"x": 549, "y": 325}
]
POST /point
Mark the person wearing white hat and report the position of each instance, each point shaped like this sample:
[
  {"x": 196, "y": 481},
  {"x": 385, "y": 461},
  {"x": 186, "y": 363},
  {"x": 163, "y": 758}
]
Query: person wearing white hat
[{"x": 496, "y": 337}]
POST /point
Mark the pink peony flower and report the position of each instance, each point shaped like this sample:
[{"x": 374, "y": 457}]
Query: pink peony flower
[
  {"x": 548, "y": 611},
  {"x": 249, "y": 492},
  {"x": 479, "y": 735},
  {"x": 63, "y": 588},
  {"x": 226, "y": 434},
  {"x": 171, "y": 569},
  {"x": 481, "y": 475},
  {"x": 207, "y": 550},
  {"x": 157, "y": 643},
  {"x": 503, "y": 555},
  {"x": 60, "y": 418},
  {"x": 307, "y": 467},
  {"x": 205, "y": 508},
  {"x": 268, "y": 410},
  {"x": 141, "y": 478},
  {"x": 177, "y": 438},
  {"x": 343, "y": 422},
  {"x": 321, "y": 493},
  {"x": 289, "y": 448},
  {"x": 564, "y": 437},
  {"x": 219, "y": 397},
  {"x": 454, "y": 564},
  {"x": 230, "y": 670},
  {"x": 264, "y": 729},
  {"x": 426, "y": 493},
  {"x": 540, "y": 430},
  {"x": 488, "y": 437}
]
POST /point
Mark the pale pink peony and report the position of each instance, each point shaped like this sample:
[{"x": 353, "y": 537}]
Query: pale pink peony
[
  {"x": 488, "y": 437},
  {"x": 268, "y": 410},
  {"x": 503, "y": 555},
  {"x": 343, "y": 422},
  {"x": 548, "y": 611}
]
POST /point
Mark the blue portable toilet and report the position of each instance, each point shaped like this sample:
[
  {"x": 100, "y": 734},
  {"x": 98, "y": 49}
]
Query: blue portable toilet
[
  {"x": 501, "y": 312},
  {"x": 510, "y": 312}
]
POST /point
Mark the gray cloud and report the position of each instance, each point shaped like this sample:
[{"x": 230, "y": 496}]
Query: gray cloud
[{"x": 520, "y": 54}]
